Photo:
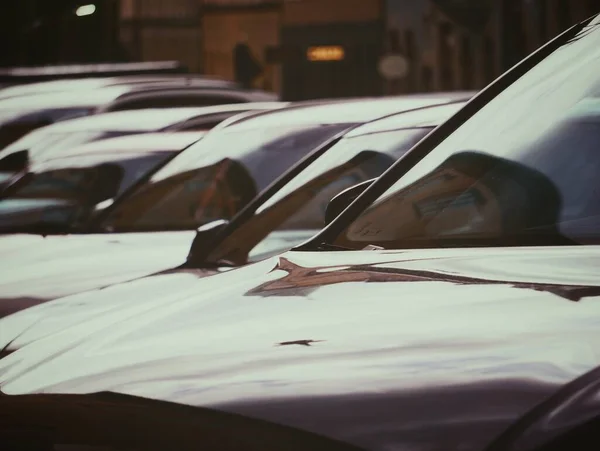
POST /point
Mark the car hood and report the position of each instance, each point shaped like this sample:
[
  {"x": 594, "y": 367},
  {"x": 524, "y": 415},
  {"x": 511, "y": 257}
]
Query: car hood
[
  {"x": 36, "y": 269},
  {"x": 386, "y": 350}
]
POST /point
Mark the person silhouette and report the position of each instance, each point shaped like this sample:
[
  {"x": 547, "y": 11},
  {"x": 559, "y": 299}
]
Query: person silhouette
[{"x": 246, "y": 68}]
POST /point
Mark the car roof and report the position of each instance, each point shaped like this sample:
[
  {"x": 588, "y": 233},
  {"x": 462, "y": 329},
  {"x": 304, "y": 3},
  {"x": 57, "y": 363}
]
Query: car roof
[
  {"x": 103, "y": 97},
  {"x": 142, "y": 143},
  {"x": 150, "y": 119},
  {"x": 140, "y": 92},
  {"x": 430, "y": 116},
  {"x": 91, "y": 98},
  {"x": 339, "y": 111},
  {"x": 94, "y": 83}
]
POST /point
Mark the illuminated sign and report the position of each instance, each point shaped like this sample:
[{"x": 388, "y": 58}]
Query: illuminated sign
[{"x": 325, "y": 53}]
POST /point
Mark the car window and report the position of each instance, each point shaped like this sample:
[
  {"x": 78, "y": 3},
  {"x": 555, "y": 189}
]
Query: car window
[
  {"x": 17, "y": 127},
  {"x": 297, "y": 211},
  {"x": 16, "y": 157},
  {"x": 215, "y": 178},
  {"x": 521, "y": 171},
  {"x": 176, "y": 100},
  {"x": 67, "y": 189},
  {"x": 204, "y": 123},
  {"x": 199, "y": 126}
]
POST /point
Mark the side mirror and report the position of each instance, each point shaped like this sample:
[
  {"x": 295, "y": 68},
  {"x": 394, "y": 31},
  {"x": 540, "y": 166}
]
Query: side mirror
[
  {"x": 205, "y": 235},
  {"x": 340, "y": 202}
]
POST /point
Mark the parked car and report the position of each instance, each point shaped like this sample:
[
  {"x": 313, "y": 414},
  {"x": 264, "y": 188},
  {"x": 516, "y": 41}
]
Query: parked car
[
  {"x": 152, "y": 228},
  {"x": 63, "y": 135},
  {"x": 14, "y": 76},
  {"x": 84, "y": 84},
  {"x": 23, "y": 114},
  {"x": 361, "y": 337},
  {"x": 66, "y": 190}
]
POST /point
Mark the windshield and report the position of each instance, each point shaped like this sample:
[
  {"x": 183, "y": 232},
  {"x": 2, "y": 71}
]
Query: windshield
[
  {"x": 297, "y": 211},
  {"x": 38, "y": 145},
  {"x": 15, "y": 125},
  {"x": 64, "y": 191},
  {"x": 521, "y": 171},
  {"x": 215, "y": 178}
]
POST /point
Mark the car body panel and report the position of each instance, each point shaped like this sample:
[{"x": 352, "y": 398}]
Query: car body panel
[
  {"x": 438, "y": 357},
  {"x": 35, "y": 269}
]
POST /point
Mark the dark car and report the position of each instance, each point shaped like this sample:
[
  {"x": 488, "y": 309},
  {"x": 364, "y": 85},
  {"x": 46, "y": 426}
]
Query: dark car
[
  {"x": 152, "y": 228},
  {"x": 22, "y": 114},
  {"x": 361, "y": 337},
  {"x": 65, "y": 134}
]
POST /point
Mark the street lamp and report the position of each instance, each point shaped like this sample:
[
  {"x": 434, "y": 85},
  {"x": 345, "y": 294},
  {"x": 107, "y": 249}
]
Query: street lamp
[{"x": 85, "y": 10}]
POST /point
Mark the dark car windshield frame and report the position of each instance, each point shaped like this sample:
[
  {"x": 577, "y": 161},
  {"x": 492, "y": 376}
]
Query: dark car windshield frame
[{"x": 324, "y": 239}]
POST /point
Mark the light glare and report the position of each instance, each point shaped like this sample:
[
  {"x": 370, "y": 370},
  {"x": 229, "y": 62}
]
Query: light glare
[{"x": 85, "y": 10}]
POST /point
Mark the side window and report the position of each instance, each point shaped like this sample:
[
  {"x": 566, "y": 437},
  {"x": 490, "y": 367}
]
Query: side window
[
  {"x": 204, "y": 123},
  {"x": 176, "y": 100},
  {"x": 364, "y": 166},
  {"x": 199, "y": 126},
  {"x": 133, "y": 104},
  {"x": 16, "y": 129},
  {"x": 209, "y": 100}
]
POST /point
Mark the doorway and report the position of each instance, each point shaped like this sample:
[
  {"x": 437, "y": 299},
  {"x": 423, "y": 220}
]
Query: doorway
[{"x": 331, "y": 61}]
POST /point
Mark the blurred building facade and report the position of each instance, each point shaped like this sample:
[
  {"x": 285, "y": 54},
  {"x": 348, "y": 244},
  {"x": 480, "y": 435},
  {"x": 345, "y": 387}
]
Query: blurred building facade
[
  {"x": 41, "y": 32},
  {"x": 332, "y": 48},
  {"x": 306, "y": 48},
  {"x": 465, "y": 44}
]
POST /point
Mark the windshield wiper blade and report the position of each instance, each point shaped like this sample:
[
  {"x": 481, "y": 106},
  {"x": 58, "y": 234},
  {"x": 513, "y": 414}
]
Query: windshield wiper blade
[{"x": 332, "y": 247}]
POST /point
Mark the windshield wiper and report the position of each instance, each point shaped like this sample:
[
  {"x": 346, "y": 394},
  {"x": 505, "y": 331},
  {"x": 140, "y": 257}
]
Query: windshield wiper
[{"x": 332, "y": 247}]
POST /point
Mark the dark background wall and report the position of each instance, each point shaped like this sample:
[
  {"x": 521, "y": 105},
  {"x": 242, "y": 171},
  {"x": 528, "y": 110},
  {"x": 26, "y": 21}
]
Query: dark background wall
[{"x": 38, "y": 32}]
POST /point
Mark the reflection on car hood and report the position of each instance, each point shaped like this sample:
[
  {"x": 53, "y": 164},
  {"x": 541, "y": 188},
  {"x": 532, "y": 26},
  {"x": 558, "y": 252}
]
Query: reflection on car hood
[
  {"x": 36, "y": 269},
  {"x": 436, "y": 349}
]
